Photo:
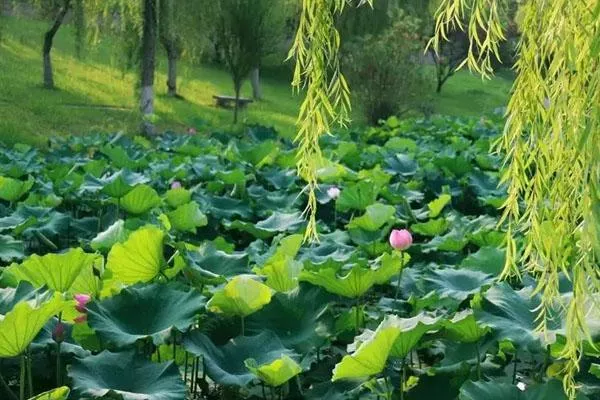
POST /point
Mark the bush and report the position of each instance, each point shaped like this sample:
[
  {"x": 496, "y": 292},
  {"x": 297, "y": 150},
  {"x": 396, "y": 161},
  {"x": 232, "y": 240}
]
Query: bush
[{"x": 385, "y": 71}]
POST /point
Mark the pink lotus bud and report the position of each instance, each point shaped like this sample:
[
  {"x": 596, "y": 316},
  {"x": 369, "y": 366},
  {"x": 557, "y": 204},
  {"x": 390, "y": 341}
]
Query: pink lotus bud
[
  {"x": 333, "y": 192},
  {"x": 176, "y": 185},
  {"x": 58, "y": 334},
  {"x": 400, "y": 239},
  {"x": 191, "y": 131},
  {"x": 80, "y": 319},
  {"x": 82, "y": 300}
]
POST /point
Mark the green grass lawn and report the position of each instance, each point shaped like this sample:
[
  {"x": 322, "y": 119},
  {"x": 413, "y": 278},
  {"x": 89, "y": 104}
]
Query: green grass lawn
[{"x": 31, "y": 114}]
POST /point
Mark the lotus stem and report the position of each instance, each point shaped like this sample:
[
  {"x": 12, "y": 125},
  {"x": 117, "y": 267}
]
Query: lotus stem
[
  {"x": 515, "y": 364},
  {"x": 357, "y": 316},
  {"x": 174, "y": 347},
  {"x": 6, "y": 388},
  {"x": 477, "y": 350},
  {"x": 29, "y": 374},
  {"x": 402, "y": 379},
  {"x": 197, "y": 374},
  {"x": 58, "y": 361},
  {"x": 399, "y": 277},
  {"x": 243, "y": 326},
  {"x": 173, "y": 257},
  {"x": 185, "y": 367},
  {"x": 22, "y": 379},
  {"x": 193, "y": 375}
]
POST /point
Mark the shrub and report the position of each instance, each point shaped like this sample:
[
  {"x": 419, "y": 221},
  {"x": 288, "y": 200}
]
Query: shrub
[{"x": 386, "y": 71}]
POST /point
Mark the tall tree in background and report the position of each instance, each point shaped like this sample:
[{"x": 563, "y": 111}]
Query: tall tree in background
[
  {"x": 171, "y": 42},
  {"x": 242, "y": 31},
  {"x": 148, "y": 63},
  {"x": 60, "y": 10}
]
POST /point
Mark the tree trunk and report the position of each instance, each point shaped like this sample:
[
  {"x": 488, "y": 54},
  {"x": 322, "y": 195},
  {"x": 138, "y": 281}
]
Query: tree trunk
[
  {"x": 149, "y": 38},
  {"x": 172, "y": 56},
  {"x": 255, "y": 81},
  {"x": 169, "y": 42},
  {"x": 236, "y": 108},
  {"x": 48, "y": 41}
]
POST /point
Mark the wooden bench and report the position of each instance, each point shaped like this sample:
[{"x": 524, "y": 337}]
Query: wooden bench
[{"x": 229, "y": 101}]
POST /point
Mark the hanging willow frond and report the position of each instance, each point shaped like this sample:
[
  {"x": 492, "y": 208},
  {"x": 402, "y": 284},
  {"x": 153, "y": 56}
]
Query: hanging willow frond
[
  {"x": 327, "y": 99},
  {"x": 551, "y": 143},
  {"x": 483, "y": 26}
]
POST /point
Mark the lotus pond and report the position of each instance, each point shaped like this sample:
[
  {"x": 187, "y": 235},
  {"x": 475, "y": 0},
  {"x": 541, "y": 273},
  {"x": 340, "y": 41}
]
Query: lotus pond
[{"x": 175, "y": 269}]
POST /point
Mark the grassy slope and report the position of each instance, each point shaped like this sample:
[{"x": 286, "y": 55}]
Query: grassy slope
[{"x": 30, "y": 114}]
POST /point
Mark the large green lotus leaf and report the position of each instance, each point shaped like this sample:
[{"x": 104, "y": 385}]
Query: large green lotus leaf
[
  {"x": 436, "y": 206},
  {"x": 126, "y": 374},
  {"x": 357, "y": 197},
  {"x": 11, "y": 249},
  {"x": 358, "y": 280},
  {"x": 454, "y": 241},
  {"x": 411, "y": 331},
  {"x": 148, "y": 311},
  {"x": 208, "y": 265},
  {"x": 139, "y": 259},
  {"x": 263, "y": 153},
  {"x": 458, "y": 284},
  {"x": 401, "y": 164},
  {"x": 116, "y": 233},
  {"x": 489, "y": 260},
  {"x": 332, "y": 248},
  {"x": 512, "y": 316},
  {"x": 226, "y": 365},
  {"x": 372, "y": 350},
  {"x": 281, "y": 222},
  {"x": 489, "y": 391},
  {"x": 140, "y": 200},
  {"x": 187, "y": 217},
  {"x": 116, "y": 185},
  {"x": 61, "y": 393},
  {"x": 499, "y": 390},
  {"x": 9, "y": 296},
  {"x": 224, "y": 207},
  {"x": 595, "y": 370},
  {"x": 249, "y": 228},
  {"x": 275, "y": 373},
  {"x": 58, "y": 272},
  {"x": 21, "y": 325},
  {"x": 463, "y": 327},
  {"x": 374, "y": 217},
  {"x": 281, "y": 270},
  {"x": 296, "y": 317},
  {"x": 433, "y": 227},
  {"x": 178, "y": 197},
  {"x": 242, "y": 296},
  {"x": 13, "y": 189}
]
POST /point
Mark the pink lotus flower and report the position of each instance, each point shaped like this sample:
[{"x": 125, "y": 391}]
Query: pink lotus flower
[
  {"x": 82, "y": 300},
  {"x": 176, "y": 185},
  {"x": 58, "y": 334},
  {"x": 80, "y": 319},
  {"x": 191, "y": 131},
  {"x": 333, "y": 192},
  {"x": 400, "y": 239}
]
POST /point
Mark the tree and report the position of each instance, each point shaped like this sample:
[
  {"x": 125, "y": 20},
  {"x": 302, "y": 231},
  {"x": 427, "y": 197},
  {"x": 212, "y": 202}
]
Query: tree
[
  {"x": 171, "y": 42},
  {"x": 183, "y": 30},
  {"x": 60, "y": 11},
  {"x": 389, "y": 78},
  {"x": 148, "y": 64},
  {"x": 551, "y": 140},
  {"x": 449, "y": 57},
  {"x": 242, "y": 33}
]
